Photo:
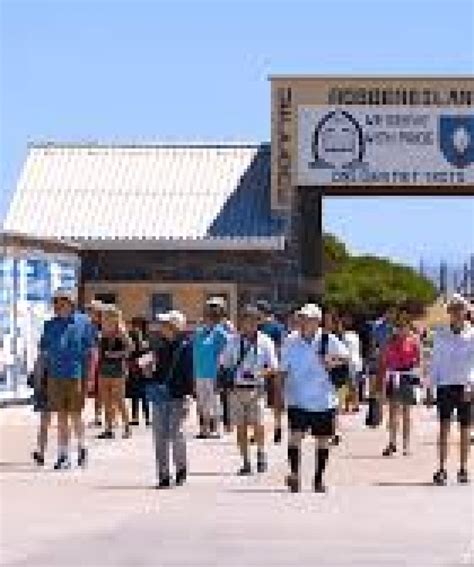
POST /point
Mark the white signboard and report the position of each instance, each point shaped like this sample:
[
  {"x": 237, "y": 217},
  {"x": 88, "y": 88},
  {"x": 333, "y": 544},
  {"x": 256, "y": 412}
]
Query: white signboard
[{"x": 385, "y": 145}]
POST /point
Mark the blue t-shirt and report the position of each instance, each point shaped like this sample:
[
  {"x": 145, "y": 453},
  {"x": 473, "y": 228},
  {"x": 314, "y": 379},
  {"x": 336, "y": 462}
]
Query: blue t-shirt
[
  {"x": 208, "y": 345},
  {"x": 66, "y": 342}
]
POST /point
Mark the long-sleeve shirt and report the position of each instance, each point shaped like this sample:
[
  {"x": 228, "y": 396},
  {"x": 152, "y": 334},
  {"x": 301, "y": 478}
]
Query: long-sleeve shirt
[{"x": 453, "y": 357}]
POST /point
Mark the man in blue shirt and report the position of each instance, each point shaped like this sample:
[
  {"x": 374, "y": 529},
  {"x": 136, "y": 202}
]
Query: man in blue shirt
[
  {"x": 65, "y": 344},
  {"x": 310, "y": 395},
  {"x": 209, "y": 341}
]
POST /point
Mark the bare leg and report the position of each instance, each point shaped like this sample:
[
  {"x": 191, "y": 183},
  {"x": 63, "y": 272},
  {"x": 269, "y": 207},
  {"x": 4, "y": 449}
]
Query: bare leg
[
  {"x": 393, "y": 422},
  {"x": 63, "y": 434},
  {"x": 406, "y": 427},
  {"x": 465, "y": 447},
  {"x": 242, "y": 442},
  {"x": 444, "y": 428},
  {"x": 45, "y": 422}
]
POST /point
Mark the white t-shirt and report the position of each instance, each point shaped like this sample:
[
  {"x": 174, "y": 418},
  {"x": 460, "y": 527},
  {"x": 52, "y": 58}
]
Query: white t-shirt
[
  {"x": 453, "y": 357},
  {"x": 258, "y": 357},
  {"x": 352, "y": 342},
  {"x": 308, "y": 385}
]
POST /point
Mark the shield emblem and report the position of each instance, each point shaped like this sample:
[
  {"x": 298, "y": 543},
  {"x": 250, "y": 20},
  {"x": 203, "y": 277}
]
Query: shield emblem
[{"x": 456, "y": 139}]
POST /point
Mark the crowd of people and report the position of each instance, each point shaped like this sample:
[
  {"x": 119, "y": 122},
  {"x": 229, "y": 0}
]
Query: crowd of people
[{"x": 311, "y": 366}]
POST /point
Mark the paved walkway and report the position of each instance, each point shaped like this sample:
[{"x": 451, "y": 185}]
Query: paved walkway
[{"x": 378, "y": 512}]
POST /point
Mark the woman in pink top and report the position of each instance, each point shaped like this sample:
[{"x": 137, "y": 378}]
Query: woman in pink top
[{"x": 398, "y": 374}]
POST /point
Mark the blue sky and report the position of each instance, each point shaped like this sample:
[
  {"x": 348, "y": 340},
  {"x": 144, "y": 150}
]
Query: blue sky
[{"x": 152, "y": 70}]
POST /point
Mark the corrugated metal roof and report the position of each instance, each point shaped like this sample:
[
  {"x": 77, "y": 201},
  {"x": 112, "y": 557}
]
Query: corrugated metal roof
[{"x": 151, "y": 192}]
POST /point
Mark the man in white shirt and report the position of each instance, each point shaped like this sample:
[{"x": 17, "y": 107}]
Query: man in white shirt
[
  {"x": 310, "y": 395},
  {"x": 452, "y": 374},
  {"x": 252, "y": 357}
]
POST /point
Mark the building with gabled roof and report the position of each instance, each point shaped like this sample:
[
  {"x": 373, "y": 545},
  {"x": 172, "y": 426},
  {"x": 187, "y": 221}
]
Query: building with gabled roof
[{"x": 159, "y": 224}]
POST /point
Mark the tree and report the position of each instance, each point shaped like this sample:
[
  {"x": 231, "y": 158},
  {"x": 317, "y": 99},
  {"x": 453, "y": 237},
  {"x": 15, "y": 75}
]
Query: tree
[{"x": 368, "y": 284}]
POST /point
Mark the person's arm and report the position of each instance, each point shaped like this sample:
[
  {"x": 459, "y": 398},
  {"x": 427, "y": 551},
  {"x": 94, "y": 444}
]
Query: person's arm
[
  {"x": 270, "y": 359},
  {"x": 436, "y": 361},
  {"x": 337, "y": 352}
]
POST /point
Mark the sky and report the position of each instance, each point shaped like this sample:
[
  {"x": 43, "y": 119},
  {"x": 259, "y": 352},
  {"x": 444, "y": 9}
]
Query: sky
[{"x": 150, "y": 70}]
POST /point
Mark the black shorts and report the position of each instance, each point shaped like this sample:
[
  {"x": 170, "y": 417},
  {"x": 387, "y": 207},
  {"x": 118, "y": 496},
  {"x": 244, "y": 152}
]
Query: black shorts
[
  {"x": 450, "y": 398},
  {"x": 319, "y": 423}
]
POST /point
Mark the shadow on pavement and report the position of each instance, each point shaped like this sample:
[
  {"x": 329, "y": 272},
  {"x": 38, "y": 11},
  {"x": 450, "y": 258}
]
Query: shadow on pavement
[
  {"x": 364, "y": 457},
  {"x": 126, "y": 487},
  {"x": 259, "y": 490},
  {"x": 405, "y": 483}
]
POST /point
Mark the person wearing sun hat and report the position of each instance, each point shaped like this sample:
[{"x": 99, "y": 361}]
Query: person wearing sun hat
[
  {"x": 311, "y": 398},
  {"x": 452, "y": 374},
  {"x": 169, "y": 389}
]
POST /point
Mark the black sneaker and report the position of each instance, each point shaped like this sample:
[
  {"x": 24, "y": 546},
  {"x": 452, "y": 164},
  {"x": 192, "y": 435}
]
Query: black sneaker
[
  {"x": 277, "y": 436},
  {"x": 181, "y": 477},
  {"x": 293, "y": 483},
  {"x": 336, "y": 440},
  {"x": 261, "y": 464},
  {"x": 134, "y": 423},
  {"x": 106, "y": 435},
  {"x": 63, "y": 463},
  {"x": 164, "y": 482},
  {"x": 245, "y": 470},
  {"x": 82, "y": 457},
  {"x": 319, "y": 487},
  {"x": 440, "y": 478},
  {"x": 201, "y": 436},
  {"x": 390, "y": 450},
  {"x": 38, "y": 458},
  {"x": 463, "y": 477},
  {"x": 127, "y": 433},
  {"x": 148, "y": 423}
]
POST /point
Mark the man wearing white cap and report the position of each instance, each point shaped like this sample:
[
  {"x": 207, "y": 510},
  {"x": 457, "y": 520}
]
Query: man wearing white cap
[
  {"x": 307, "y": 357},
  {"x": 452, "y": 373},
  {"x": 209, "y": 341},
  {"x": 169, "y": 388}
]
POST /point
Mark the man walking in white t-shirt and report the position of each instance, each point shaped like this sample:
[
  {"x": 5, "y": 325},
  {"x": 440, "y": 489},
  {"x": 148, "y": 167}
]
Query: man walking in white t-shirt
[{"x": 311, "y": 398}]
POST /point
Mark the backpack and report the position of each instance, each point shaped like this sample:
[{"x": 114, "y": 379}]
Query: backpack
[{"x": 339, "y": 375}]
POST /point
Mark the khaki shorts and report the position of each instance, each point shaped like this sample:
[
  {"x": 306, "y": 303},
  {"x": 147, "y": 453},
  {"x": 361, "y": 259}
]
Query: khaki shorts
[
  {"x": 246, "y": 406},
  {"x": 66, "y": 395},
  {"x": 111, "y": 390},
  {"x": 206, "y": 397}
]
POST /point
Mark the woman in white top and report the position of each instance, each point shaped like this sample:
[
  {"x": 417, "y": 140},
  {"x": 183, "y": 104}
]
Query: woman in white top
[{"x": 349, "y": 396}]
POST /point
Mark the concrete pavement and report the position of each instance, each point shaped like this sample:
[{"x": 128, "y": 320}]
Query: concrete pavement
[{"x": 378, "y": 512}]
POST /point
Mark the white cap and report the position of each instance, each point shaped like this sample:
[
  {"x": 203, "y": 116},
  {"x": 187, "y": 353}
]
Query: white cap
[
  {"x": 175, "y": 318},
  {"x": 311, "y": 311},
  {"x": 457, "y": 300},
  {"x": 216, "y": 302},
  {"x": 69, "y": 294}
]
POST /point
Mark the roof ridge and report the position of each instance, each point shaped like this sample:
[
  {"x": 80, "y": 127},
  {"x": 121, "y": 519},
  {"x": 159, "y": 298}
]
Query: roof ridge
[{"x": 143, "y": 145}]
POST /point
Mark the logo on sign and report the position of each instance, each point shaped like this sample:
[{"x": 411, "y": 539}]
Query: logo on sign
[
  {"x": 338, "y": 142},
  {"x": 456, "y": 139}
]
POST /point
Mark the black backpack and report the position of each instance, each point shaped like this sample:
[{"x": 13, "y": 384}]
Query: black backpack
[{"x": 339, "y": 375}]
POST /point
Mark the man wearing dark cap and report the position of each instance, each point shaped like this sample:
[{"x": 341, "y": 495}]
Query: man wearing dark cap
[{"x": 252, "y": 356}]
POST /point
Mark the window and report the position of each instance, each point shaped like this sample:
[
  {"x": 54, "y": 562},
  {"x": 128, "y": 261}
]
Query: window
[
  {"x": 109, "y": 298},
  {"x": 160, "y": 302}
]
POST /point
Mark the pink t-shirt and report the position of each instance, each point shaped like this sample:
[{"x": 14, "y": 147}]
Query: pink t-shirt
[{"x": 401, "y": 354}]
